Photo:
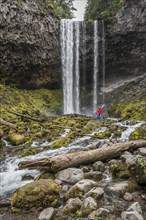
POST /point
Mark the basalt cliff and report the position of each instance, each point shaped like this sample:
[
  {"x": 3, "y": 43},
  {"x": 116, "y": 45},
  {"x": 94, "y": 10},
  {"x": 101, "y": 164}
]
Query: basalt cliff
[{"x": 29, "y": 44}]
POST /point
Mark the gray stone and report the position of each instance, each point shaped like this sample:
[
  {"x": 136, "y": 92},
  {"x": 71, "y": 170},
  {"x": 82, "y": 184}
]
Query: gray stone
[
  {"x": 80, "y": 188},
  {"x": 135, "y": 207},
  {"x": 72, "y": 205},
  {"x": 47, "y": 214},
  {"x": 89, "y": 204},
  {"x": 70, "y": 175},
  {"x": 131, "y": 216},
  {"x": 97, "y": 193},
  {"x": 127, "y": 196},
  {"x": 99, "y": 166},
  {"x": 142, "y": 151},
  {"x": 118, "y": 189},
  {"x": 101, "y": 212}
]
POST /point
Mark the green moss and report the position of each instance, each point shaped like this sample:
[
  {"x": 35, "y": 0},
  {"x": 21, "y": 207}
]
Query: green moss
[
  {"x": 103, "y": 135},
  {"x": 41, "y": 193},
  {"x": 119, "y": 169},
  {"x": 16, "y": 139},
  {"x": 132, "y": 185},
  {"x": 129, "y": 110},
  {"x": 139, "y": 133},
  {"x": 62, "y": 141},
  {"x": 29, "y": 152}
]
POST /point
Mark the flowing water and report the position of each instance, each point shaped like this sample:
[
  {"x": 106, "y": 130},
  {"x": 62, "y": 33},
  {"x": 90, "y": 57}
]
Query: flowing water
[{"x": 11, "y": 178}]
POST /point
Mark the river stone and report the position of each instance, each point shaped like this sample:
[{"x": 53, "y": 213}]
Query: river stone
[
  {"x": 131, "y": 216},
  {"x": 127, "y": 196},
  {"x": 39, "y": 194},
  {"x": 101, "y": 212},
  {"x": 135, "y": 207},
  {"x": 89, "y": 205},
  {"x": 142, "y": 151},
  {"x": 70, "y": 175},
  {"x": 47, "y": 214},
  {"x": 118, "y": 189},
  {"x": 96, "y": 193},
  {"x": 80, "y": 188},
  {"x": 72, "y": 205},
  {"x": 99, "y": 166}
]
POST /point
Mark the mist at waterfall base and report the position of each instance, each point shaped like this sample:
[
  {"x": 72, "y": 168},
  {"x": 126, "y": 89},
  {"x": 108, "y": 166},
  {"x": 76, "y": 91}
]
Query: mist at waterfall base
[{"x": 83, "y": 65}]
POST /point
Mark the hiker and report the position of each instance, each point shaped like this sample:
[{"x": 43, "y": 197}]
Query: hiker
[{"x": 99, "y": 113}]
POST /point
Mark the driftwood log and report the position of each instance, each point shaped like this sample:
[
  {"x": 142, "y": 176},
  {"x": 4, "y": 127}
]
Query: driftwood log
[{"x": 64, "y": 161}]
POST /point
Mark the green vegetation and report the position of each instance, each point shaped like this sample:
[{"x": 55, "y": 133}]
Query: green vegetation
[
  {"x": 102, "y": 9},
  {"x": 62, "y": 8}
]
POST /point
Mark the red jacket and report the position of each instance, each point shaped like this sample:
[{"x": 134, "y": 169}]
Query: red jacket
[{"x": 99, "y": 110}]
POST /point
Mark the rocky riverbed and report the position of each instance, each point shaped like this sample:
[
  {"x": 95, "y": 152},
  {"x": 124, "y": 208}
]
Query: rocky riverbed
[{"x": 112, "y": 190}]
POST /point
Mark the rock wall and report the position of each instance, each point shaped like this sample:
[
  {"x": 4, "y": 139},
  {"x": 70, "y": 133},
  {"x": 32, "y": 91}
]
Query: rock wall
[
  {"x": 29, "y": 44},
  {"x": 126, "y": 41}
]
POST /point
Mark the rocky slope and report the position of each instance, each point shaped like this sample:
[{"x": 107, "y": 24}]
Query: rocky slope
[
  {"x": 29, "y": 44},
  {"x": 126, "y": 41}
]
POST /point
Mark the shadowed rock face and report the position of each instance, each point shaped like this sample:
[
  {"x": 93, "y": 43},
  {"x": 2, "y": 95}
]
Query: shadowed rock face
[
  {"x": 126, "y": 41},
  {"x": 29, "y": 44}
]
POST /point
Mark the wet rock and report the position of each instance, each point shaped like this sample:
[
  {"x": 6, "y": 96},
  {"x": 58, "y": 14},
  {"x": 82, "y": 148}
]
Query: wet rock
[
  {"x": 41, "y": 193},
  {"x": 97, "y": 193},
  {"x": 99, "y": 166},
  {"x": 142, "y": 151},
  {"x": 70, "y": 175},
  {"x": 89, "y": 204},
  {"x": 47, "y": 214},
  {"x": 119, "y": 169},
  {"x": 127, "y": 196},
  {"x": 135, "y": 207},
  {"x": 80, "y": 188},
  {"x": 72, "y": 205},
  {"x": 117, "y": 189},
  {"x": 131, "y": 215},
  {"x": 137, "y": 170},
  {"x": 27, "y": 177},
  {"x": 95, "y": 175},
  {"x": 101, "y": 212}
]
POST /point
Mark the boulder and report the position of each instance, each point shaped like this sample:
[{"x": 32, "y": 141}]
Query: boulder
[
  {"x": 47, "y": 214},
  {"x": 39, "y": 194},
  {"x": 70, "y": 175}
]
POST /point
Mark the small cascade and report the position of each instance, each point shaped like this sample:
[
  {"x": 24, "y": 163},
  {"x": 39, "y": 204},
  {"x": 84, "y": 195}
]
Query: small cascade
[{"x": 95, "y": 78}]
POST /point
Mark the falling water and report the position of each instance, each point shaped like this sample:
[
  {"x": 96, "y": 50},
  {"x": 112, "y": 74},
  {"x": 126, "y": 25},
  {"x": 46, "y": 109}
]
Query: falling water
[
  {"x": 70, "y": 65},
  {"x": 77, "y": 75},
  {"x": 103, "y": 62},
  {"x": 95, "y": 77},
  {"x": 67, "y": 64},
  {"x": 84, "y": 51}
]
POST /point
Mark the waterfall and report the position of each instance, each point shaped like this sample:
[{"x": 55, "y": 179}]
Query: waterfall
[
  {"x": 70, "y": 65},
  {"x": 95, "y": 77},
  {"x": 83, "y": 65}
]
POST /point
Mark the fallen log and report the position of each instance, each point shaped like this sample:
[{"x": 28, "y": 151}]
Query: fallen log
[
  {"x": 9, "y": 124},
  {"x": 64, "y": 161},
  {"x": 24, "y": 116}
]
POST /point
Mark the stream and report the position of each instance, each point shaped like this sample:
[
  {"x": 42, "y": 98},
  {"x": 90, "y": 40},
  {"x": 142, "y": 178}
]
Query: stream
[{"x": 11, "y": 178}]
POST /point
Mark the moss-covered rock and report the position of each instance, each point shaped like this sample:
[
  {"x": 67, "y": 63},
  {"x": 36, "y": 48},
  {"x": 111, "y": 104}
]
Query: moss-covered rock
[
  {"x": 16, "y": 138},
  {"x": 119, "y": 169},
  {"x": 138, "y": 170},
  {"x": 38, "y": 194},
  {"x": 139, "y": 133}
]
